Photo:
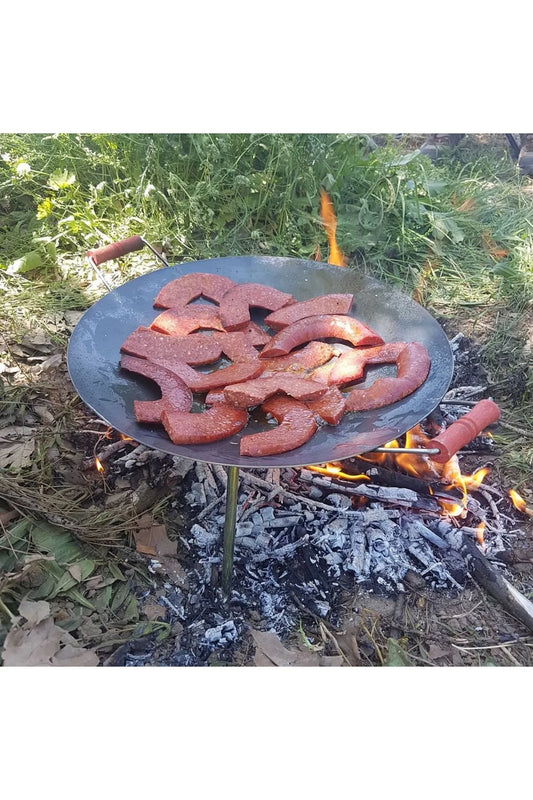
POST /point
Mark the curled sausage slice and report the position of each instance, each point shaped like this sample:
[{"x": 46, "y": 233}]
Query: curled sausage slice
[
  {"x": 219, "y": 422},
  {"x": 196, "y": 348},
  {"x": 413, "y": 364},
  {"x": 181, "y": 322},
  {"x": 236, "y": 303},
  {"x": 176, "y": 395},
  {"x": 350, "y": 366},
  {"x": 323, "y": 304},
  {"x": 327, "y": 326},
  {"x": 296, "y": 426},
  {"x": 254, "y": 392},
  {"x": 183, "y": 290}
]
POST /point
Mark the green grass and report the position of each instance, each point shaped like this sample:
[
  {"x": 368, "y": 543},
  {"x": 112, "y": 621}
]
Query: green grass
[{"x": 433, "y": 228}]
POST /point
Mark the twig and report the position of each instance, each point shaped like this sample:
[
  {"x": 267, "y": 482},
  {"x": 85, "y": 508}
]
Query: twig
[
  {"x": 521, "y": 431},
  {"x": 6, "y": 611},
  {"x": 483, "y": 572}
]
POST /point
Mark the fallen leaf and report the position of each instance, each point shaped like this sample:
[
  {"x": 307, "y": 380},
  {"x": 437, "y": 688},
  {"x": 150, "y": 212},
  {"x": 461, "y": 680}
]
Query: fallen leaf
[
  {"x": 436, "y": 651},
  {"x": 75, "y": 571},
  {"x": 396, "y": 655},
  {"x": 154, "y": 611},
  {"x": 16, "y": 455},
  {"x": 153, "y": 541},
  {"x": 36, "y": 642},
  {"x": 51, "y": 362},
  {"x": 32, "y": 648},
  {"x": 270, "y": 652},
  {"x": 34, "y": 611},
  {"x": 70, "y": 656},
  {"x": 38, "y": 340}
]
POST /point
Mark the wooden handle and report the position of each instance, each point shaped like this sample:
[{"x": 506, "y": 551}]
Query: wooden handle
[
  {"x": 116, "y": 250},
  {"x": 464, "y": 430}
]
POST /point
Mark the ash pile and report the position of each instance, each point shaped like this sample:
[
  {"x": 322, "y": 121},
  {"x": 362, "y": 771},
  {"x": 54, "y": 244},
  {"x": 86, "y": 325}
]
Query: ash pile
[{"x": 305, "y": 540}]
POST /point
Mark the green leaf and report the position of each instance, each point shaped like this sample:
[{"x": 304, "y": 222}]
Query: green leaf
[
  {"x": 122, "y": 593},
  {"x": 78, "y": 598},
  {"x": 102, "y": 600},
  {"x": 27, "y": 263},
  {"x": 60, "y": 179},
  {"x": 131, "y": 612},
  {"x": 396, "y": 655},
  {"x": 11, "y": 547},
  {"x": 56, "y": 541},
  {"x": 115, "y": 571}
]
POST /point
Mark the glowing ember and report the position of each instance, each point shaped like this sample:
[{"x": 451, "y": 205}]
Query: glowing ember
[
  {"x": 125, "y": 438},
  {"x": 519, "y": 503},
  {"x": 480, "y": 533},
  {"x": 329, "y": 221},
  {"x": 98, "y": 464}
]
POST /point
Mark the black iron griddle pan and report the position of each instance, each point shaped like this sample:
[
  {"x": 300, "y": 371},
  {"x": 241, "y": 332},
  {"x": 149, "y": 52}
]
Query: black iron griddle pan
[{"x": 94, "y": 355}]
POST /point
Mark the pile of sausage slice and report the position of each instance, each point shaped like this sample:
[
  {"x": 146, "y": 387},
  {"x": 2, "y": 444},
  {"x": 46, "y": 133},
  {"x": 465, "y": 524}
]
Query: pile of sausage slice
[{"x": 291, "y": 374}]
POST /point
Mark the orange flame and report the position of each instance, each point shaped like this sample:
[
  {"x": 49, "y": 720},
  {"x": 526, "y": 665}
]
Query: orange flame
[
  {"x": 335, "y": 470},
  {"x": 519, "y": 502},
  {"x": 98, "y": 464},
  {"x": 329, "y": 221},
  {"x": 379, "y": 458},
  {"x": 125, "y": 438}
]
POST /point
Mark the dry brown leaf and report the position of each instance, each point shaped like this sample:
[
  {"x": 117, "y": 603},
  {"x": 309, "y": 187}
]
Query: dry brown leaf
[
  {"x": 70, "y": 656},
  {"x": 51, "y": 362},
  {"x": 34, "y": 611},
  {"x": 270, "y": 652},
  {"x": 436, "y": 651},
  {"x": 16, "y": 454},
  {"x": 36, "y": 642},
  {"x": 37, "y": 340},
  {"x": 154, "y": 611},
  {"x": 75, "y": 571},
  {"x": 153, "y": 540},
  {"x": 34, "y": 647}
]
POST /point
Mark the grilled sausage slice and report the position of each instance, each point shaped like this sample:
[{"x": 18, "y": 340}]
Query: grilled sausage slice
[
  {"x": 182, "y": 290},
  {"x": 413, "y": 364},
  {"x": 176, "y": 395},
  {"x": 196, "y": 348},
  {"x": 330, "y": 407},
  {"x": 296, "y": 426},
  {"x": 309, "y": 357},
  {"x": 236, "y": 303},
  {"x": 254, "y": 392},
  {"x": 180, "y": 322},
  {"x": 326, "y": 326},
  {"x": 219, "y": 422},
  {"x": 350, "y": 366},
  {"x": 323, "y": 304}
]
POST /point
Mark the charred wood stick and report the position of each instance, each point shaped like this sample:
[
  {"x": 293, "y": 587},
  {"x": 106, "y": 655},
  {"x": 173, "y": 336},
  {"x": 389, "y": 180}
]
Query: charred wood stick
[
  {"x": 247, "y": 477},
  {"x": 106, "y": 453},
  {"x": 480, "y": 568},
  {"x": 388, "y": 477}
]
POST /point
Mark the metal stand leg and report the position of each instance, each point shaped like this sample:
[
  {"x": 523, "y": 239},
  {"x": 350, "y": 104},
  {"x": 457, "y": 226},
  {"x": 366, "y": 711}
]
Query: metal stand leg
[{"x": 232, "y": 493}]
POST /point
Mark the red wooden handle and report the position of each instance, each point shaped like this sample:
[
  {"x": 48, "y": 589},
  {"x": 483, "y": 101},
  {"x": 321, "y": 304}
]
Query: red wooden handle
[
  {"x": 116, "y": 250},
  {"x": 464, "y": 430}
]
